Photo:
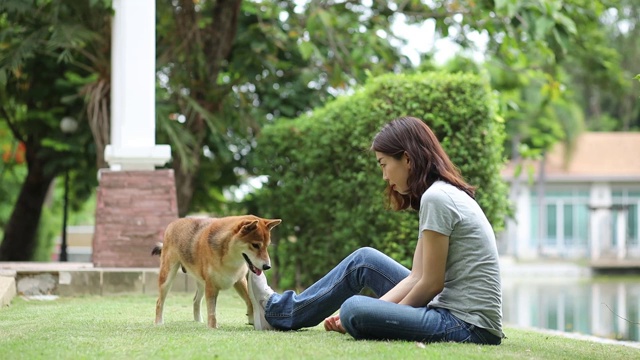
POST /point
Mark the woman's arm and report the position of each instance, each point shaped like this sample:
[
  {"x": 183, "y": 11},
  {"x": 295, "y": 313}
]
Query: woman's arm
[
  {"x": 432, "y": 255},
  {"x": 402, "y": 289},
  {"x": 424, "y": 282},
  {"x": 397, "y": 293}
]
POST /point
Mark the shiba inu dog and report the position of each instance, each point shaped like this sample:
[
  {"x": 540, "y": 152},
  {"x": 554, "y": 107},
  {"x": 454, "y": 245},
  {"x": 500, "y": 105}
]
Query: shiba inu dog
[{"x": 217, "y": 252}]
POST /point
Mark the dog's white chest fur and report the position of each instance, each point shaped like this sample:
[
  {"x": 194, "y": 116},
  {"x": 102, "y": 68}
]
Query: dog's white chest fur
[{"x": 225, "y": 279}]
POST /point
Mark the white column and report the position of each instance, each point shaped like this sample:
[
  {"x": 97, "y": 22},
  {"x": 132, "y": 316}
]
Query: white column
[
  {"x": 561, "y": 302},
  {"x": 599, "y": 231},
  {"x": 621, "y": 313},
  {"x": 524, "y": 248},
  {"x": 561, "y": 247},
  {"x": 621, "y": 233},
  {"x": 133, "y": 59},
  {"x": 597, "y": 327},
  {"x": 525, "y": 298},
  {"x": 593, "y": 235}
]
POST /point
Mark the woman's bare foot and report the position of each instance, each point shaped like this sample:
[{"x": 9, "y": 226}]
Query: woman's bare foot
[{"x": 332, "y": 323}]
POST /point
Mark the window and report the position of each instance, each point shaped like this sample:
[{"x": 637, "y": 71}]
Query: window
[
  {"x": 566, "y": 219},
  {"x": 568, "y": 225},
  {"x": 582, "y": 224},
  {"x": 535, "y": 214}
]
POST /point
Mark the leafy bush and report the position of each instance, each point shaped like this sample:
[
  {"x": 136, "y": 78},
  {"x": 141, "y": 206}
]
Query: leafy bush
[{"x": 325, "y": 183}]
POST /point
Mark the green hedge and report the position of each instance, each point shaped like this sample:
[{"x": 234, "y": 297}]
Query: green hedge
[{"x": 326, "y": 186}]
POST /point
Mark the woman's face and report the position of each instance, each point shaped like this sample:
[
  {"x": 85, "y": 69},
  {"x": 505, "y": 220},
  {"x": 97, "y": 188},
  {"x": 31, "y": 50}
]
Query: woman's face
[{"x": 395, "y": 171}]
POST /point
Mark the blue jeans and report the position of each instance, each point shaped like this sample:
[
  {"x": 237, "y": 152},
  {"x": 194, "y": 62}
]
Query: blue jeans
[{"x": 364, "y": 317}]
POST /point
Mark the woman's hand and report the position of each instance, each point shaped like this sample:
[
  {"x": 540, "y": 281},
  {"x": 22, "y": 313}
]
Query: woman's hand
[{"x": 332, "y": 323}]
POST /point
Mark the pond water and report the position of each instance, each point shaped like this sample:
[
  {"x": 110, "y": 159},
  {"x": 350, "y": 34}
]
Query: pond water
[{"x": 604, "y": 307}]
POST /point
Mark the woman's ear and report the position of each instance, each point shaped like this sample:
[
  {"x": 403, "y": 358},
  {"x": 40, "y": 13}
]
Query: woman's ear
[{"x": 406, "y": 157}]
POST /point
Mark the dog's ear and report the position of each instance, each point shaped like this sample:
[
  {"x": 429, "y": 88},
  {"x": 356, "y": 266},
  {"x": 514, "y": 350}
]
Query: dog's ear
[
  {"x": 248, "y": 227},
  {"x": 273, "y": 223}
]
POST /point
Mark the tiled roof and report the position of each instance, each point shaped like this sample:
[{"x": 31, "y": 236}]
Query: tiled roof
[{"x": 596, "y": 155}]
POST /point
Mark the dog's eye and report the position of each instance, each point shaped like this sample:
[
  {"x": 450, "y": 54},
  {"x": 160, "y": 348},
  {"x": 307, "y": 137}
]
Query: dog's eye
[{"x": 256, "y": 246}]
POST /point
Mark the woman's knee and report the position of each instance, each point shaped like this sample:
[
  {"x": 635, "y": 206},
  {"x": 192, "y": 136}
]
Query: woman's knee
[
  {"x": 351, "y": 312},
  {"x": 352, "y": 306},
  {"x": 366, "y": 254}
]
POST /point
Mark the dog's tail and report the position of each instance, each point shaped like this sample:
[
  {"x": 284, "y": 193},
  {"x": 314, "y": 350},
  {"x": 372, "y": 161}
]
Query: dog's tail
[{"x": 157, "y": 250}]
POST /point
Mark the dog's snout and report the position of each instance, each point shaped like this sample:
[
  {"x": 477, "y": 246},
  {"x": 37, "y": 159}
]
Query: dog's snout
[{"x": 266, "y": 267}]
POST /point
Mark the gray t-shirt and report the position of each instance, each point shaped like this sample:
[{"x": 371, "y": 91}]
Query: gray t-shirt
[{"x": 472, "y": 289}]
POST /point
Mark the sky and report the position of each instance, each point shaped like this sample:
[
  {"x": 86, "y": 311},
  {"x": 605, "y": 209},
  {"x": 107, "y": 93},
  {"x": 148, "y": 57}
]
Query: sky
[{"x": 421, "y": 39}]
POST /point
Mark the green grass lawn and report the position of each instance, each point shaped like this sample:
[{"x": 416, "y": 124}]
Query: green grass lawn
[{"x": 121, "y": 327}]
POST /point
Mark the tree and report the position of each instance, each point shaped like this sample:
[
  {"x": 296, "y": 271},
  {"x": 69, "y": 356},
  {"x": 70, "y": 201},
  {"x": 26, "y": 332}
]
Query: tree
[
  {"x": 228, "y": 67},
  {"x": 39, "y": 85},
  {"x": 12, "y": 172},
  {"x": 283, "y": 52},
  {"x": 605, "y": 89},
  {"x": 282, "y": 62}
]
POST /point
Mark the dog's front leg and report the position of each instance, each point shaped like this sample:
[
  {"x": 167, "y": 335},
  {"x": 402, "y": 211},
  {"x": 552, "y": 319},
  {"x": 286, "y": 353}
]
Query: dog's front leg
[
  {"x": 241, "y": 289},
  {"x": 211, "y": 295}
]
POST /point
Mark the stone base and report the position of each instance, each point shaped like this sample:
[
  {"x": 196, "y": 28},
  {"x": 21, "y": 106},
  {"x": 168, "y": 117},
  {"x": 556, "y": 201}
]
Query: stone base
[
  {"x": 7, "y": 290},
  {"x": 133, "y": 209},
  {"x": 86, "y": 282}
]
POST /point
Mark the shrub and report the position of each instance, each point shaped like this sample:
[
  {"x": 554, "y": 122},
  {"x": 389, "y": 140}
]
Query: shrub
[{"x": 325, "y": 183}]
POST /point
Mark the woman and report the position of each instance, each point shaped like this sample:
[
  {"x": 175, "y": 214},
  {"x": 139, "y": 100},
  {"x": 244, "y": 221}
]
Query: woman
[{"x": 451, "y": 293}]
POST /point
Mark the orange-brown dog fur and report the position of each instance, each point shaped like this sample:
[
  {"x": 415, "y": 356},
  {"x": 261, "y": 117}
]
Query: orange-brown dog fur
[{"x": 210, "y": 250}]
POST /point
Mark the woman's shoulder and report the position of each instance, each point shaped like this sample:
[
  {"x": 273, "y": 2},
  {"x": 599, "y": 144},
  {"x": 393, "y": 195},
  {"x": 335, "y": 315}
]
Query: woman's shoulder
[
  {"x": 439, "y": 190},
  {"x": 441, "y": 187},
  {"x": 438, "y": 199},
  {"x": 442, "y": 191}
]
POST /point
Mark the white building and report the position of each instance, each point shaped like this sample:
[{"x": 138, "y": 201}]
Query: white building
[{"x": 587, "y": 206}]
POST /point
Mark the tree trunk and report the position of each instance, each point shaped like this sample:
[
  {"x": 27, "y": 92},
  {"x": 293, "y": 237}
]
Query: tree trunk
[
  {"x": 626, "y": 111},
  {"x": 214, "y": 42},
  {"x": 184, "y": 183},
  {"x": 98, "y": 116},
  {"x": 595, "y": 108},
  {"x": 20, "y": 238}
]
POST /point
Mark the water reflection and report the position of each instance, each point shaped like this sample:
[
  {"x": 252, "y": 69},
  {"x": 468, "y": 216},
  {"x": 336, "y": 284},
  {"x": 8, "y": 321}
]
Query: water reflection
[{"x": 599, "y": 307}]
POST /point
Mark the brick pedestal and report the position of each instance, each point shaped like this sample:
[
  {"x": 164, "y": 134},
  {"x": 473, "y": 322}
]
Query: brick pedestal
[{"x": 133, "y": 209}]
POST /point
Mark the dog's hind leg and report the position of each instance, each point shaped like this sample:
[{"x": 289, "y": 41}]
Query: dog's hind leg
[
  {"x": 165, "y": 280},
  {"x": 197, "y": 302},
  {"x": 211, "y": 295},
  {"x": 241, "y": 288}
]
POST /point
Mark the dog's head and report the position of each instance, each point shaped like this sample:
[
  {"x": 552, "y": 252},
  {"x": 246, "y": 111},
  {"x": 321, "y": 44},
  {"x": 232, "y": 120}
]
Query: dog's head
[{"x": 255, "y": 236}]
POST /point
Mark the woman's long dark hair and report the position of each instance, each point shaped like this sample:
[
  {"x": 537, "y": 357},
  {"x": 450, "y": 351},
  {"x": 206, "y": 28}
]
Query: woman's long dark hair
[{"x": 428, "y": 161}]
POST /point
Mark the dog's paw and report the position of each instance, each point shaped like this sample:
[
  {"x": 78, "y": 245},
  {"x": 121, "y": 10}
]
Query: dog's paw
[{"x": 213, "y": 324}]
